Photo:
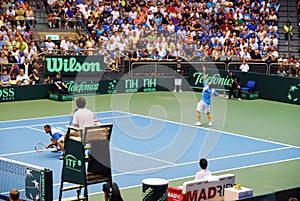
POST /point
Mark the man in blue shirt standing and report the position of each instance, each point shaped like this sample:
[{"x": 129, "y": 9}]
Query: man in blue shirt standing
[{"x": 204, "y": 103}]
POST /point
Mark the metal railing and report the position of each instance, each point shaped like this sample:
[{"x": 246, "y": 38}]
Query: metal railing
[
  {"x": 167, "y": 68},
  {"x": 254, "y": 67},
  {"x": 284, "y": 69}
]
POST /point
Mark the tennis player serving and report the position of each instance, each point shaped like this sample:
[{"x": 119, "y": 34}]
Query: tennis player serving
[
  {"x": 57, "y": 139},
  {"x": 204, "y": 104}
]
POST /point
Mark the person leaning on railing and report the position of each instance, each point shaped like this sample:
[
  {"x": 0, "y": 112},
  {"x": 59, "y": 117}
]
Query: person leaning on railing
[
  {"x": 282, "y": 65},
  {"x": 293, "y": 67},
  {"x": 256, "y": 57},
  {"x": 22, "y": 78},
  {"x": 110, "y": 63},
  {"x": 5, "y": 79}
]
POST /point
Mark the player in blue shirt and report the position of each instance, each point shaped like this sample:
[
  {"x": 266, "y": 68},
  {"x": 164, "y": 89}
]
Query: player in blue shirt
[
  {"x": 57, "y": 138},
  {"x": 204, "y": 103}
]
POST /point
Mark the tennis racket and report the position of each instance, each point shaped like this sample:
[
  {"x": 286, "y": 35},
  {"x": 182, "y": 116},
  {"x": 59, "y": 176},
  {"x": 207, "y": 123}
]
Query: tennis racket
[{"x": 40, "y": 147}]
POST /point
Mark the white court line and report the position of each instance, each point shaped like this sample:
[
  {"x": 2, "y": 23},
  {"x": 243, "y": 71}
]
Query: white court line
[
  {"x": 133, "y": 114},
  {"x": 17, "y": 153},
  {"x": 41, "y": 118},
  {"x": 210, "y": 129},
  {"x": 244, "y": 167},
  {"x": 30, "y": 126},
  {"x": 36, "y": 129},
  {"x": 213, "y": 159},
  {"x": 143, "y": 156},
  {"x": 157, "y": 159},
  {"x": 174, "y": 179}
]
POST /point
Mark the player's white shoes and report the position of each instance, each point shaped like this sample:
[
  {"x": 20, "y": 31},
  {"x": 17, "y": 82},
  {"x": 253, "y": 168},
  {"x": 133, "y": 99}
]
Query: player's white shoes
[
  {"x": 174, "y": 90},
  {"x": 239, "y": 99},
  {"x": 62, "y": 157},
  {"x": 198, "y": 123},
  {"x": 180, "y": 90},
  {"x": 210, "y": 123},
  {"x": 54, "y": 149}
]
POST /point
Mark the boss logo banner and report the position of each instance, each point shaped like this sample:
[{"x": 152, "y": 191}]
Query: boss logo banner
[{"x": 7, "y": 94}]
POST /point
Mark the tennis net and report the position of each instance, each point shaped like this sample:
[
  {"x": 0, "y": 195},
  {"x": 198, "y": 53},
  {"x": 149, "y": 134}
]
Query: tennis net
[{"x": 32, "y": 181}]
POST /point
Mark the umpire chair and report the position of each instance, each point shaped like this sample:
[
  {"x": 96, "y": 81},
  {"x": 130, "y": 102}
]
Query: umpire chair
[{"x": 87, "y": 159}]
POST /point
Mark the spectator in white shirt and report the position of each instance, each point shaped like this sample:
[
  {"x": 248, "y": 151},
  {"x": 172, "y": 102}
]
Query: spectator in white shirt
[
  {"x": 132, "y": 13},
  {"x": 204, "y": 172},
  {"x": 171, "y": 27},
  {"x": 244, "y": 66},
  {"x": 115, "y": 13},
  {"x": 65, "y": 43},
  {"x": 22, "y": 78},
  {"x": 181, "y": 32}
]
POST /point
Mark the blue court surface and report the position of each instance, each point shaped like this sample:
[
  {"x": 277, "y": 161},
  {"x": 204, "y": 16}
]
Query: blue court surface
[{"x": 144, "y": 147}]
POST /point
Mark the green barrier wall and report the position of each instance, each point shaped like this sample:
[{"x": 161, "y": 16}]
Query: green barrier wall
[
  {"x": 283, "y": 89},
  {"x": 271, "y": 87},
  {"x": 276, "y": 88}
]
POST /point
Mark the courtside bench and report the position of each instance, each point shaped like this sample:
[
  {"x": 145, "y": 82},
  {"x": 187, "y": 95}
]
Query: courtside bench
[{"x": 248, "y": 95}]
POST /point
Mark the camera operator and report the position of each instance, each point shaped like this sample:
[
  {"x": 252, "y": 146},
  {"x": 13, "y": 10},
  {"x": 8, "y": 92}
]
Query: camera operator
[{"x": 35, "y": 77}]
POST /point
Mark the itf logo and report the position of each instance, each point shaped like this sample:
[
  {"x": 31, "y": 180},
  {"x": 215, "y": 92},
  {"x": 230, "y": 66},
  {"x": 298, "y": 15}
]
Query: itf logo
[{"x": 73, "y": 163}]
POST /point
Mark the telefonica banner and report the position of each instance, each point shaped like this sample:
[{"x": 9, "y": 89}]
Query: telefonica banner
[
  {"x": 83, "y": 87},
  {"x": 219, "y": 81},
  {"x": 72, "y": 65}
]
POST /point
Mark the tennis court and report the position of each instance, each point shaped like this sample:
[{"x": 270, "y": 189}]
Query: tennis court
[{"x": 143, "y": 147}]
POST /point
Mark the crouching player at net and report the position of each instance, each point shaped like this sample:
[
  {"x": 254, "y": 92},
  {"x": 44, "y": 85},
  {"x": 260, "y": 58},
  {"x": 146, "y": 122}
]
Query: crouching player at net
[
  {"x": 57, "y": 139},
  {"x": 204, "y": 104}
]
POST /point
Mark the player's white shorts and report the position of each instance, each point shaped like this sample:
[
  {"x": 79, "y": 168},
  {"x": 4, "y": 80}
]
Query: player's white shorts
[
  {"x": 203, "y": 107},
  {"x": 62, "y": 138},
  {"x": 178, "y": 81}
]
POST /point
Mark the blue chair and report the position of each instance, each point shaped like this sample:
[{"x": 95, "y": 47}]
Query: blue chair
[
  {"x": 120, "y": 21},
  {"x": 160, "y": 28},
  {"x": 105, "y": 27},
  {"x": 112, "y": 54},
  {"x": 109, "y": 10},
  {"x": 219, "y": 34},
  {"x": 250, "y": 86}
]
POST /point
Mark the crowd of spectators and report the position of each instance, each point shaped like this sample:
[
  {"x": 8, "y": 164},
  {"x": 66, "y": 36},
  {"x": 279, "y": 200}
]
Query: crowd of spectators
[
  {"x": 19, "y": 53},
  {"x": 188, "y": 30},
  {"x": 195, "y": 30}
]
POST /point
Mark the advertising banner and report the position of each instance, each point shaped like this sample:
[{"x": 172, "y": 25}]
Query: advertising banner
[{"x": 72, "y": 65}]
